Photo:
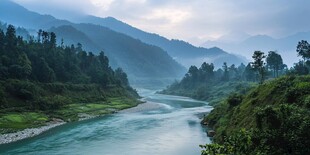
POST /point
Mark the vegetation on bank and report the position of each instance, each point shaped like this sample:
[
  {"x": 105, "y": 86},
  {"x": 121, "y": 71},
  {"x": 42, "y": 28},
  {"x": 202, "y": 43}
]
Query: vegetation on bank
[
  {"x": 40, "y": 81},
  {"x": 272, "y": 118},
  {"x": 261, "y": 108}
]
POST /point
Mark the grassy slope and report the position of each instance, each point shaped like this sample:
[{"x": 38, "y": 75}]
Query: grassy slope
[
  {"x": 293, "y": 90},
  {"x": 28, "y": 104}
]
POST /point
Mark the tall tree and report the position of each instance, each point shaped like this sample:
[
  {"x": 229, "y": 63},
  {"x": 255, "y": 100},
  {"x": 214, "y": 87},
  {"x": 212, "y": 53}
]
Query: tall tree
[
  {"x": 225, "y": 74},
  {"x": 258, "y": 64},
  {"x": 275, "y": 62},
  {"x": 121, "y": 76},
  {"x": 206, "y": 72},
  {"x": 303, "y": 49},
  {"x": 11, "y": 42},
  {"x": 249, "y": 73}
]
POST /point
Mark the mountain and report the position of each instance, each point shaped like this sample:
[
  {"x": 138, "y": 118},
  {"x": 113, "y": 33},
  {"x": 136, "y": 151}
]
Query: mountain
[
  {"x": 181, "y": 51},
  {"x": 17, "y": 15},
  {"x": 286, "y": 46},
  {"x": 138, "y": 59}
]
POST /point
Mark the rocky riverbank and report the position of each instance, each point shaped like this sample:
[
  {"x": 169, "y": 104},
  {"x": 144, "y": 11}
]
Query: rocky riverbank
[{"x": 31, "y": 132}]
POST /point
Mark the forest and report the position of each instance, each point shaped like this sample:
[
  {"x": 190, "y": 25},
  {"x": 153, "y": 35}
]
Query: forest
[
  {"x": 260, "y": 108},
  {"x": 37, "y": 76}
]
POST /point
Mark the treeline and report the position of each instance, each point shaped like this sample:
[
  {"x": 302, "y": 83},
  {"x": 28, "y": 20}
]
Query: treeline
[
  {"x": 206, "y": 83},
  {"x": 28, "y": 64}
]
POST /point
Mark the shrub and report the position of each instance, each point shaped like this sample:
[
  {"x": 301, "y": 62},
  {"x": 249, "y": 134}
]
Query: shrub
[{"x": 234, "y": 99}]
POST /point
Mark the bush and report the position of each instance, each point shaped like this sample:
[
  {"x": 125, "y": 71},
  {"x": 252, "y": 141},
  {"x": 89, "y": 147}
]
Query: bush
[
  {"x": 21, "y": 89},
  {"x": 234, "y": 100},
  {"x": 51, "y": 102}
]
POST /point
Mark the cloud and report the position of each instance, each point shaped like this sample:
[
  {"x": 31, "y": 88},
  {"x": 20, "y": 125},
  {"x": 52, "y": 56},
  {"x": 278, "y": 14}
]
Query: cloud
[{"x": 191, "y": 20}]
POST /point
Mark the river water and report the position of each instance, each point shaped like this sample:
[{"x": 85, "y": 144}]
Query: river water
[{"x": 165, "y": 125}]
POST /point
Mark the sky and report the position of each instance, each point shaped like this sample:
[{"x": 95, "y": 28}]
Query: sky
[{"x": 195, "y": 21}]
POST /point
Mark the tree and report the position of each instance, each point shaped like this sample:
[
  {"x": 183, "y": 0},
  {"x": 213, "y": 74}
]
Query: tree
[
  {"x": 300, "y": 68},
  {"x": 249, "y": 73},
  {"x": 303, "y": 49},
  {"x": 233, "y": 72},
  {"x": 43, "y": 72},
  {"x": 193, "y": 72},
  {"x": 2, "y": 39},
  {"x": 53, "y": 40},
  {"x": 275, "y": 62},
  {"x": 121, "y": 76},
  {"x": 258, "y": 64},
  {"x": 206, "y": 72},
  {"x": 225, "y": 74},
  {"x": 11, "y": 42}
]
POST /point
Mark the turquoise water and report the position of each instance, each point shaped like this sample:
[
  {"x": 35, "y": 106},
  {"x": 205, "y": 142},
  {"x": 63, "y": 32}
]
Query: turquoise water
[{"x": 170, "y": 127}]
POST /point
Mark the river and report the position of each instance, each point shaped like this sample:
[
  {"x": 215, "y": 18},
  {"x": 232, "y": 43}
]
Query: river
[{"x": 165, "y": 125}]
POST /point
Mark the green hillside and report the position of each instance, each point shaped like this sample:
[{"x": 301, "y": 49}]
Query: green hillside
[{"x": 276, "y": 116}]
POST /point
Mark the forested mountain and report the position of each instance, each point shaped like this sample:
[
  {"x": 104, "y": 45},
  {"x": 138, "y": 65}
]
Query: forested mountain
[
  {"x": 183, "y": 52},
  {"x": 39, "y": 78},
  {"x": 141, "y": 61}
]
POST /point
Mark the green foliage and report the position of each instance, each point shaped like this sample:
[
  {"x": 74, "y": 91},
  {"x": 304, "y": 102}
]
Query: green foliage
[
  {"x": 206, "y": 84},
  {"x": 239, "y": 143},
  {"x": 258, "y": 64},
  {"x": 234, "y": 99},
  {"x": 274, "y": 114},
  {"x": 39, "y": 77},
  {"x": 303, "y": 49},
  {"x": 275, "y": 62}
]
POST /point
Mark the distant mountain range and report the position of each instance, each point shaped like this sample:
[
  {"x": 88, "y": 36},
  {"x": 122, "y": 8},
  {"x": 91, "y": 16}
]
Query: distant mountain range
[
  {"x": 286, "y": 46},
  {"x": 181, "y": 51},
  {"x": 142, "y": 55}
]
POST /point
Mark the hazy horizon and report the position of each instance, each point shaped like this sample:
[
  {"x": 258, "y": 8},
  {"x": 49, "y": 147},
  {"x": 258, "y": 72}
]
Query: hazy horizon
[{"x": 194, "y": 21}]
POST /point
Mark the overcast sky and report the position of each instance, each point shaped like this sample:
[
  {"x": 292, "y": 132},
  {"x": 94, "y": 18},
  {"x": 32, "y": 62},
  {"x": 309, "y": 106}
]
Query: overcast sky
[{"x": 191, "y": 20}]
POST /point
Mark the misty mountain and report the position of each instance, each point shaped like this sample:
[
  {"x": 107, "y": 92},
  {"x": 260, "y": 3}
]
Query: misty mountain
[
  {"x": 285, "y": 46},
  {"x": 17, "y": 15},
  {"x": 139, "y": 60},
  {"x": 181, "y": 51}
]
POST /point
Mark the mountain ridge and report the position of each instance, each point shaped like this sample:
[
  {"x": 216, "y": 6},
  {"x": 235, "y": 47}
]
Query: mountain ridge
[
  {"x": 180, "y": 50},
  {"x": 141, "y": 66}
]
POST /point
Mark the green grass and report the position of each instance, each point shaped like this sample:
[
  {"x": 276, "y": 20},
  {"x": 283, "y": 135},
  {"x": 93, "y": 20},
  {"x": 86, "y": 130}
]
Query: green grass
[
  {"x": 70, "y": 112},
  {"x": 11, "y": 122}
]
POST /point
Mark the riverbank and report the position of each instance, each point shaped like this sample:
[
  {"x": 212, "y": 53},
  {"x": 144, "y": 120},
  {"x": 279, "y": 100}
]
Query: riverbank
[
  {"x": 96, "y": 111},
  {"x": 31, "y": 132}
]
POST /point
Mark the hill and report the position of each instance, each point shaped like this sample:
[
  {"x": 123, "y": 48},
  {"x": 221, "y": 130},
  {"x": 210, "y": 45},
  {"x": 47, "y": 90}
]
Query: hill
[{"x": 273, "y": 118}]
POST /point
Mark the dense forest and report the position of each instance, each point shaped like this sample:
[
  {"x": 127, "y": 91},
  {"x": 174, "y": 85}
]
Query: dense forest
[{"x": 39, "y": 76}]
